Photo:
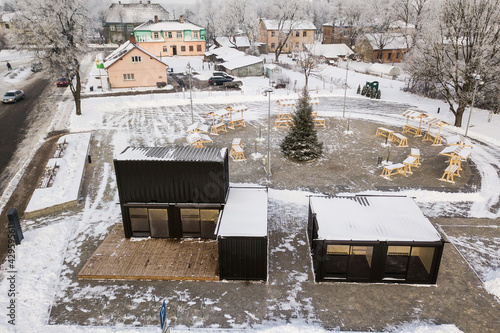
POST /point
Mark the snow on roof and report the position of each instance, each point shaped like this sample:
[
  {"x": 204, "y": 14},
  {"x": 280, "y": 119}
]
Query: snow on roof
[
  {"x": 399, "y": 24},
  {"x": 226, "y": 53},
  {"x": 239, "y": 41},
  {"x": 385, "y": 69},
  {"x": 7, "y": 17},
  {"x": 393, "y": 41},
  {"x": 295, "y": 25},
  {"x": 245, "y": 213},
  {"x": 329, "y": 51},
  {"x": 247, "y": 60},
  {"x": 135, "y": 12},
  {"x": 123, "y": 50},
  {"x": 168, "y": 25},
  {"x": 182, "y": 154},
  {"x": 372, "y": 218}
]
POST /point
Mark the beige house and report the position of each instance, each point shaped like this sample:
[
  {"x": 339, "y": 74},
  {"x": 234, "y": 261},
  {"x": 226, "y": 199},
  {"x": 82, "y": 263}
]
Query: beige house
[
  {"x": 132, "y": 66},
  {"x": 294, "y": 34},
  {"x": 169, "y": 38}
]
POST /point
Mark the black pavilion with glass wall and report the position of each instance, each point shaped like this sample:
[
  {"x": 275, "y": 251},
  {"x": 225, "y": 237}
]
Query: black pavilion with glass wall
[
  {"x": 372, "y": 239},
  {"x": 172, "y": 192}
]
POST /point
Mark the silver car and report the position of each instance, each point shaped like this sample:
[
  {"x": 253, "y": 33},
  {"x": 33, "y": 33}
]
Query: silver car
[{"x": 13, "y": 96}]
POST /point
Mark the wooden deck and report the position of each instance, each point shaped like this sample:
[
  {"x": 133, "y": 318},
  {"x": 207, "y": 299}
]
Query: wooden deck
[{"x": 152, "y": 259}]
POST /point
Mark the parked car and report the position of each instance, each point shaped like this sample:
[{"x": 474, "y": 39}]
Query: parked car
[
  {"x": 233, "y": 84},
  {"x": 12, "y": 96},
  {"x": 219, "y": 80},
  {"x": 221, "y": 74},
  {"x": 62, "y": 82}
]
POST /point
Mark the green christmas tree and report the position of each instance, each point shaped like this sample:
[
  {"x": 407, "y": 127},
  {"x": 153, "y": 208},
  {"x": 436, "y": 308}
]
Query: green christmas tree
[{"x": 301, "y": 141}]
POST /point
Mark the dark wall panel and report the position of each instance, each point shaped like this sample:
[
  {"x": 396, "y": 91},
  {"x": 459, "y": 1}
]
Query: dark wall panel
[{"x": 243, "y": 258}]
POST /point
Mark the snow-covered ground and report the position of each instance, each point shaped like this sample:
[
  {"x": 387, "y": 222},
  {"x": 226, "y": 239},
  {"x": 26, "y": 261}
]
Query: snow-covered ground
[{"x": 40, "y": 258}]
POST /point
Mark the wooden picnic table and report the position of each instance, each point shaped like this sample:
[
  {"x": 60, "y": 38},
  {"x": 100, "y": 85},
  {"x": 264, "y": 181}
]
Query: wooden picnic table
[
  {"x": 382, "y": 131},
  {"x": 198, "y": 140},
  {"x": 412, "y": 114},
  {"x": 393, "y": 169},
  {"x": 198, "y": 128},
  {"x": 433, "y": 136},
  {"x": 285, "y": 103},
  {"x": 236, "y": 119},
  {"x": 218, "y": 126},
  {"x": 399, "y": 138}
]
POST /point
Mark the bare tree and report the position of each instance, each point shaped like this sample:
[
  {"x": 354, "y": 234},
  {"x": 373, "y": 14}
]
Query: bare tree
[
  {"x": 464, "y": 42},
  {"x": 306, "y": 63},
  {"x": 55, "y": 30},
  {"x": 288, "y": 16}
]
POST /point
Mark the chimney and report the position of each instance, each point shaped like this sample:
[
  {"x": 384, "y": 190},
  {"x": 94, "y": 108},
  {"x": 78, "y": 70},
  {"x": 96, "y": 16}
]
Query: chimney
[
  {"x": 181, "y": 19},
  {"x": 132, "y": 38},
  {"x": 156, "y": 18}
]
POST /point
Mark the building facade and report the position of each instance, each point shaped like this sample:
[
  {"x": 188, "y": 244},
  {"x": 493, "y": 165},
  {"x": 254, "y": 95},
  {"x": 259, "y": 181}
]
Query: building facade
[
  {"x": 172, "y": 37},
  {"x": 122, "y": 18},
  {"x": 335, "y": 33},
  {"x": 131, "y": 66},
  {"x": 273, "y": 33}
]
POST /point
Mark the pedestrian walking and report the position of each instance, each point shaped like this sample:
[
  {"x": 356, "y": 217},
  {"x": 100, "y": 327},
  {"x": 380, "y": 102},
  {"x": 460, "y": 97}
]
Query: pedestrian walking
[{"x": 9, "y": 67}]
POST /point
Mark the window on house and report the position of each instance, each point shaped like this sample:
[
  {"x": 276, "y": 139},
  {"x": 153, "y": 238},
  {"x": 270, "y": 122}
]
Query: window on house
[
  {"x": 273, "y": 34},
  {"x": 128, "y": 77},
  {"x": 296, "y": 45},
  {"x": 136, "y": 59},
  {"x": 165, "y": 49},
  {"x": 297, "y": 34},
  {"x": 170, "y": 34},
  {"x": 195, "y": 34},
  {"x": 130, "y": 27},
  {"x": 346, "y": 33},
  {"x": 119, "y": 28},
  {"x": 183, "y": 48},
  {"x": 273, "y": 45},
  {"x": 191, "y": 48},
  {"x": 304, "y": 34},
  {"x": 179, "y": 34},
  {"x": 156, "y": 35},
  {"x": 389, "y": 56},
  {"x": 198, "y": 48},
  {"x": 112, "y": 27},
  {"x": 397, "y": 55},
  {"x": 379, "y": 56},
  {"x": 7, "y": 26}
]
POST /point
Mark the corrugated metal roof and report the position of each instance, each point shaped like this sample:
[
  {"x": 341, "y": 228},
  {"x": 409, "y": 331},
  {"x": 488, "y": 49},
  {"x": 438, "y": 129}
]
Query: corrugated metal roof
[
  {"x": 184, "y": 154},
  {"x": 135, "y": 12},
  {"x": 285, "y": 25},
  {"x": 372, "y": 218}
]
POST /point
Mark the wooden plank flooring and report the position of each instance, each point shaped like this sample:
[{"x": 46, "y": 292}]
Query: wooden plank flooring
[{"x": 152, "y": 259}]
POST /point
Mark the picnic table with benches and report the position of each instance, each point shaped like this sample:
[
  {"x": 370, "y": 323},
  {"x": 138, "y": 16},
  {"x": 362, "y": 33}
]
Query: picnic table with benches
[
  {"x": 219, "y": 125},
  {"x": 237, "y": 152},
  {"x": 196, "y": 127},
  {"x": 412, "y": 114},
  {"x": 431, "y": 135},
  {"x": 236, "y": 119},
  {"x": 382, "y": 131},
  {"x": 198, "y": 140},
  {"x": 399, "y": 138},
  {"x": 393, "y": 169}
]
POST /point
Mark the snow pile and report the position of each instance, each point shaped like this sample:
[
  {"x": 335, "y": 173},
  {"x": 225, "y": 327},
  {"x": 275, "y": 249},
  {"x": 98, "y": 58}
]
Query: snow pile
[{"x": 492, "y": 283}]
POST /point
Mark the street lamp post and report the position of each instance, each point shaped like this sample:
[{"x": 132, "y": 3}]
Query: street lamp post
[
  {"x": 345, "y": 88},
  {"x": 268, "y": 92},
  {"x": 189, "y": 71},
  {"x": 477, "y": 79}
]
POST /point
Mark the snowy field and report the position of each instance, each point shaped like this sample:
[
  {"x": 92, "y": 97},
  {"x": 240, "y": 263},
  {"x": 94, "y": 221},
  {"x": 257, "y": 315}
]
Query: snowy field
[{"x": 50, "y": 243}]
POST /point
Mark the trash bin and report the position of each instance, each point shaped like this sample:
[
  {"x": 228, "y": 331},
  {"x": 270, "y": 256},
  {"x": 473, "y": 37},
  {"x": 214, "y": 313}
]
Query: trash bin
[{"x": 91, "y": 88}]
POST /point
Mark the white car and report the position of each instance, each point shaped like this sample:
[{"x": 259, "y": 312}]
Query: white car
[{"x": 12, "y": 96}]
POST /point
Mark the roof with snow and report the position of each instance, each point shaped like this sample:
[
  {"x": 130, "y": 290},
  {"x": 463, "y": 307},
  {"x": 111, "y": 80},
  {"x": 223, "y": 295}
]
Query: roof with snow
[
  {"x": 168, "y": 25},
  {"x": 329, "y": 51},
  {"x": 288, "y": 24},
  {"x": 244, "y": 61},
  {"x": 245, "y": 213},
  {"x": 237, "y": 41},
  {"x": 135, "y": 12},
  {"x": 184, "y": 154},
  {"x": 225, "y": 53},
  {"x": 372, "y": 218},
  {"x": 123, "y": 50},
  {"x": 392, "y": 41}
]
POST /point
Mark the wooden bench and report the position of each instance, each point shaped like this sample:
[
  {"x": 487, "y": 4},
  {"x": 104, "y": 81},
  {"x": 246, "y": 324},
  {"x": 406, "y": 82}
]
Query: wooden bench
[
  {"x": 417, "y": 131},
  {"x": 282, "y": 123},
  {"x": 284, "y": 116},
  {"x": 399, "y": 138},
  {"x": 393, "y": 169},
  {"x": 451, "y": 171},
  {"x": 319, "y": 122},
  {"x": 237, "y": 153},
  {"x": 434, "y": 137},
  {"x": 410, "y": 162},
  {"x": 200, "y": 128},
  {"x": 381, "y": 131},
  {"x": 216, "y": 128},
  {"x": 415, "y": 152}
]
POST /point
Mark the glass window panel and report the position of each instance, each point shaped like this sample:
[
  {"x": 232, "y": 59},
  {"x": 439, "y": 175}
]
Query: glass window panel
[
  {"x": 158, "y": 219},
  {"x": 190, "y": 222},
  {"x": 420, "y": 264},
  {"x": 337, "y": 249},
  {"x": 209, "y": 214},
  {"x": 139, "y": 219},
  {"x": 398, "y": 250},
  {"x": 396, "y": 262},
  {"x": 360, "y": 262}
]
